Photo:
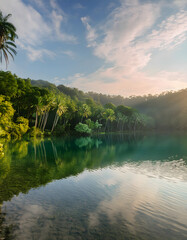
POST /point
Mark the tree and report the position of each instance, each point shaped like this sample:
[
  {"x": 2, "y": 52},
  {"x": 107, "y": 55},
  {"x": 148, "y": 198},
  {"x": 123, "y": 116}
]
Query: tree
[
  {"x": 7, "y": 38},
  {"x": 82, "y": 128},
  {"x": 110, "y": 106},
  {"x": 8, "y": 84},
  {"x": 108, "y": 115},
  {"x": 71, "y": 111},
  {"x": 6, "y": 115},
  {"x": 126, "y": 115},
  {"x": 84, "y": 111},
  {"x": 7, "y": 126},
  {"x": 61, "y": 109}
]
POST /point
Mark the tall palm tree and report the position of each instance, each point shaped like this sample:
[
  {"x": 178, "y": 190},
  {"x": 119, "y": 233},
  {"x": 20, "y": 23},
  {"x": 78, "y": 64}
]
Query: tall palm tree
[{"x": 7, "y": 38}]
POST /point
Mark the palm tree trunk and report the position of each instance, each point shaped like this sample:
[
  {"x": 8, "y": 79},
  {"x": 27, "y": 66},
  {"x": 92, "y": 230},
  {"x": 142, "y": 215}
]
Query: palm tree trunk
[
  {"x": 40, "y": 121},
  {"x": 36, "y": 120},
  {"x": 46, "y": 117},
  {"x": 54, "y": 122},
  {"x": 43, "y": 118},
  {"x": 57, "y": 120}
]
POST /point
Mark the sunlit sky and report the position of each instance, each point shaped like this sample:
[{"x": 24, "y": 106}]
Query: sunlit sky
[{"x": 126, "y": 47}]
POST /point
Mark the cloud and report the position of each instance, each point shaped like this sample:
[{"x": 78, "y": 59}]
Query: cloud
[
  {"x": 136, "y": 180},
  {"x": 68, "y": 53},
  {"x": 38, "y": 54},
  {"x": 78, "y": 6},
  {"x": 124, "y": 25},
  {"x": 115, "y": 81},
  {"x": 91, "y": 33},
  {"x": 180, "y": 3},
  {"x": 33, "y": 29},
  {"x": 126, "y": 43},
  {"x": 54, "y": 4},
  {"x": 57, "y": 21},
  {"x": 171, "y": 32}
]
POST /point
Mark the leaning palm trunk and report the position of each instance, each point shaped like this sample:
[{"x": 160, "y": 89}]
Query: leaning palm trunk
[
  {"x": 36, "y": 120},
  {"x": 54, "y": 151},
  {"x": 45, "y": 121},
  {"x": 42, "y": 121},
  {"x": 55, "y": 121}
]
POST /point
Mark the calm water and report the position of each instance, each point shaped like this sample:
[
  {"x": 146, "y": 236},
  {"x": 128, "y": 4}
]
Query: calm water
[{"x": 106, "y": 187}]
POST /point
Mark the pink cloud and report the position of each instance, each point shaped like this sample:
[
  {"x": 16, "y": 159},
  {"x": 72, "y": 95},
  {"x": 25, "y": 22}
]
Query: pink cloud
[{"x": 123, "y": 48}]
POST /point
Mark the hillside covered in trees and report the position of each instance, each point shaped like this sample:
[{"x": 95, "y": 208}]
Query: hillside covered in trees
[
  {"x": 39, "y": 107},
  {"x": 168, "y": 109}
]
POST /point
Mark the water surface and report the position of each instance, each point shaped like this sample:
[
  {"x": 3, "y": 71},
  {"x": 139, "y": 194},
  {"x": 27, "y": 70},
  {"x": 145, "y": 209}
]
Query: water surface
[{"x": 105, "y": 187}]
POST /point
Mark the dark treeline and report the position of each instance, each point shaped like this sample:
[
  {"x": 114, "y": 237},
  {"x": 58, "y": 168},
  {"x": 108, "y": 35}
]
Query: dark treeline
[
  {"x": 40, "y": 107},
  {"x": 168, "y": 109}
]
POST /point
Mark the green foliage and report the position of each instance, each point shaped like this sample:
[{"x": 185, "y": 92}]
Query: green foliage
[
  {"x": 8, "y": 84},
  {"x": 110, "y": 106},
  {"x": 90, "y": 123},
  {"x": 48, "y": 111},
  {"x": 73, "y": 93},
  {"x": 59, "y": 130},
  {"x": 97, "y": 125},
  {"x": 7, "y": 126},
  {"x": 35, "y": 132},
  {"x": 127, "y": 111},
  {"x": 84, "y": 111},
  {"x": 6, "y": 115},
  {"x": 1, "y": 150},
  {"x": 93, "y": 125},
  {"x": 108, "y": 114},
  {"x": 83, "y": 128},
  {"x": 23, "y": 125},
  {"x": 167, "y": 110},
  {"x": 19, "y": 128}
]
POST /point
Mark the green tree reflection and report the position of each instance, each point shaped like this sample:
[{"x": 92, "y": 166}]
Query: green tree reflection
[{"x": 30, "y": 164}]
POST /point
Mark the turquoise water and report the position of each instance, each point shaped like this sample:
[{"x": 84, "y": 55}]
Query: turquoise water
[{"x": 105, "y": 187}]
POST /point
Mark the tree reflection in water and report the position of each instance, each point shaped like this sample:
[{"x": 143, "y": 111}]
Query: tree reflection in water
[{"x": 30, "y": 164}]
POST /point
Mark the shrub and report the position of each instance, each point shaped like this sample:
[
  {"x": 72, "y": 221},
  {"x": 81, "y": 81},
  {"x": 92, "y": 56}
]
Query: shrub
[
  {"x": 97, "y": 125},
  {"x": 23, "y": 124},
  {"x": 83, "y": 128},
  {"x": 35, "y": 132}
]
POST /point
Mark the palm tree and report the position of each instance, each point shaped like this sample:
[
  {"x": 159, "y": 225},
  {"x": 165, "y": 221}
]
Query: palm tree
[{"x": 7, "y": 38}]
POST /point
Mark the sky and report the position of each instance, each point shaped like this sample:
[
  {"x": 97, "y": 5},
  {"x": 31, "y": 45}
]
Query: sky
[{"x": 118, "y": 47}]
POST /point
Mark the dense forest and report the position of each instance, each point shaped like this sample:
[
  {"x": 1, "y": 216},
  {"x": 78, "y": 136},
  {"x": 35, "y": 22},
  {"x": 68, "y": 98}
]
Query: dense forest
[
  {"x": 168, "y": 110},
  {"x": 39, "y": 107}
]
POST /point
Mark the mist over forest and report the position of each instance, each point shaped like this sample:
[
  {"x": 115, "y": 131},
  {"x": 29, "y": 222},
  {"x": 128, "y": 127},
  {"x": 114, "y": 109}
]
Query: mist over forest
[{"x": 168, "y": 109}]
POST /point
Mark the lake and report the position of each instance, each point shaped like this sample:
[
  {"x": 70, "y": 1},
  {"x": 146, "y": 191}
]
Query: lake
[{"x": 103, "y": 187}]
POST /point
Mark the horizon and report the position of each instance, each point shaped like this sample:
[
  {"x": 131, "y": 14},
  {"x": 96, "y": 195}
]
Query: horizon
[
  {"x": 113, "y": 95},
  {"x": 111, "y": 47}
]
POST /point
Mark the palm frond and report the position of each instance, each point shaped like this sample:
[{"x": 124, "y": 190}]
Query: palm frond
[
  {"x": 7, "y": 38},
  {"x": 11, "y": 43},
  {"x": 11, "y": 49},
  {"x": 10, "y": 53},
  {"x": 7, "y": 17},
  {"x": 6, "y": 57}
]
